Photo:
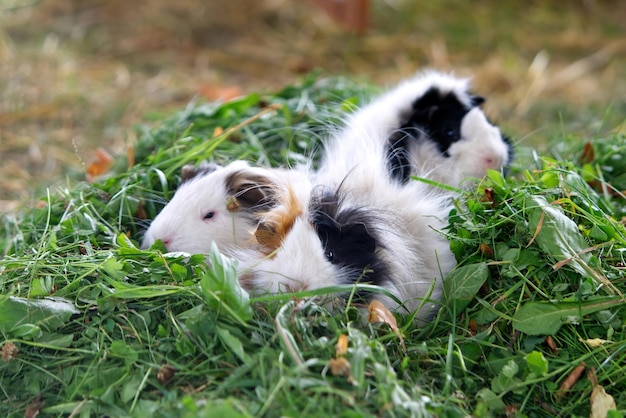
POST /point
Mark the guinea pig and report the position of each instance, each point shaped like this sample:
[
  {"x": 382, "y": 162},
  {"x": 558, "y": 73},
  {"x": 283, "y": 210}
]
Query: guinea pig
[
  {"x": 305, "y": 247},
  {"x": 448, "y": 137},
  {"x": 430, "y": 126},
  {"x": 342, "y": 236},
  {"x": 214, "y": 204}
]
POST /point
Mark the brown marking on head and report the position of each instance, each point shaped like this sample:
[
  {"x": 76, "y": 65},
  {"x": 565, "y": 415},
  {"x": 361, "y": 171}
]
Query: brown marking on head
[
  {"x": 251, "y": 191},
  {"x": 190, "y": 171},
  {"x": 276, "y": 223}
]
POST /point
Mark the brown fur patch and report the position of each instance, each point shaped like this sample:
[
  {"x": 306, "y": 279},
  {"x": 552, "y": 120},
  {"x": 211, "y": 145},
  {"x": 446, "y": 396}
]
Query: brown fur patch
[
  {"x": 275, "y": 224},
  {"x": 246, "y": 280},
  {"x": 190, "y": 171},
  {"x": 252, "y": 191}
]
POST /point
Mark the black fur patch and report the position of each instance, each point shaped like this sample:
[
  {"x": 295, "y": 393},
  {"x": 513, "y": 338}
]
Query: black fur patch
[
  {"x": 348, "y": 237},
  {"x": 436, "y": 116}
]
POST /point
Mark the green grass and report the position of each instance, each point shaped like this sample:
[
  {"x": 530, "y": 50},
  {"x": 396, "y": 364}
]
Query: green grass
[{"x": 91, "y": 325}]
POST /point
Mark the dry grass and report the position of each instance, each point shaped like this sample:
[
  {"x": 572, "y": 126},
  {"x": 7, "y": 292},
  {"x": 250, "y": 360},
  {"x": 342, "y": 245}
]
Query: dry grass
[{"x": 76, "y": 75}]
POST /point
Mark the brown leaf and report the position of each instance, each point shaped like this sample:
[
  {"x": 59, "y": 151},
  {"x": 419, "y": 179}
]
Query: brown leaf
[
  {"x": 552, "y": 345},
  {"x": 473, "y": 327},
  {"x": 511, "y": 411},
  {"x": 141, "y": 212},
  {"x": 588, "y": 154},
  {"x": 130, "y": 155},
  {"x": 222, "y": 93},
  {"x": 486, "y": 249},
  {"x": 218, "y": 131},
  {"x": 379, "y": 313},
  {"x": 489, "y": 195},
  {"x": 9, "y": 351},
  {"x": 571, "y": 379},
  {"x": 34, "y": 408},
  {"x": 165, "y": 373},
  {"x": 341, "y": 348},
  {"x": 341, "y": 367},
  {"x": 100, "y": 165}
]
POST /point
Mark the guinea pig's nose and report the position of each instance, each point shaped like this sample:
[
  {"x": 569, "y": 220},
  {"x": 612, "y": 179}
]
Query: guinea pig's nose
[
  {"x": 492, "y": 162},
  {"x": 166, "y": 242}
]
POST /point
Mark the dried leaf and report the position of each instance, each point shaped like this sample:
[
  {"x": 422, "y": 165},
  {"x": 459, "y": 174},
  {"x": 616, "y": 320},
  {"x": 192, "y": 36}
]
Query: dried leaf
[
  {"x": 220, "y": 93},
  {"x": 486, "y": 249},
  {"x": 552, "y": 345},
  {"x": 130, "y": 156},
  {"x": 601, "y": 402},
  {"x": 379, "y": 313},
  {"x": 588, "y": 154},
  {"x": 341, "y": 367},
  {"x": 594, "y": 342},
  {"x": 489, "y": 196},
  {"x": 165, "y": 373},
  {"x": 218, "y": 131},
  {"x": 100, "y": 165},
  {"x": 341, "y": 348},
  {"x": 473, "y": 327},
  {"x": 571, "y": 379},
  {"x": 9, "y": 351},
  {"x": 34, "y": 408}
]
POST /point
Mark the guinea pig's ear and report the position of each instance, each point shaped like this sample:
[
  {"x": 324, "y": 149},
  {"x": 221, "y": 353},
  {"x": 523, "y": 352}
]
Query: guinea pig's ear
[
  {"x": 476, "y": 100},
  {"x": 251, "y": 191},
  {"x": 190, "y": 171}
]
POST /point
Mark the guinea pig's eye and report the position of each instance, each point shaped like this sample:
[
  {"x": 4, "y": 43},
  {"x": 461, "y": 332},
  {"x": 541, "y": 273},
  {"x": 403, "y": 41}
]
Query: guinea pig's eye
[
  {"x": 209, "y": 215},
  {"x": 329, "y": 255},
  {"x": 450, "y": 133}
]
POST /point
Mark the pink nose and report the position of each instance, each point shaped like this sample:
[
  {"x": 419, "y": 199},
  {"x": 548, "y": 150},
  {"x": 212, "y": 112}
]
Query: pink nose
[{"x": 492, "y": 162}]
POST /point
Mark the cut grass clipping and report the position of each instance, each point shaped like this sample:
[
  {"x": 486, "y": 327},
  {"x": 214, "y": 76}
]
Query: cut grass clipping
[{"x": 532, "y": 322}]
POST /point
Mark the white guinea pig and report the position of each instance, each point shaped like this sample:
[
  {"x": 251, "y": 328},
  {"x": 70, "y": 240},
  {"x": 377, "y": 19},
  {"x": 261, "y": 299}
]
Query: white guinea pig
[
  {"x": 214, "y": 204},
  {"x": 430, "y": 125}
]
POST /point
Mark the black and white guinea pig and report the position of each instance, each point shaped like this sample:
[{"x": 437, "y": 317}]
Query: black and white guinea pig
[
  {"x": 430, "y": 125},
  {"x": 306, "y": 245},
  {"x": 214, "y": 204},
  {"x": 334, "y": 239}
]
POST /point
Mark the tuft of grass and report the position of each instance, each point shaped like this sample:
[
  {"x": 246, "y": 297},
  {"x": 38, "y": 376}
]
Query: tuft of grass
[{"x": 92, "y": 325}]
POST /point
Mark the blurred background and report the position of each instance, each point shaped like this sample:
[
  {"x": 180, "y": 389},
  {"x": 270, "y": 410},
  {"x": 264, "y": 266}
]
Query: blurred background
[{"x": 76, "y": 75}]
